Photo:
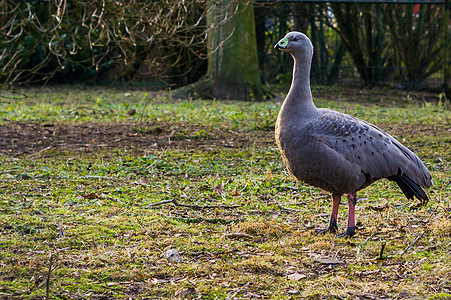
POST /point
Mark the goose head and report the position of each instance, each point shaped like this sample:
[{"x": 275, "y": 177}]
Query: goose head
[{"x": 297, "y": 44}]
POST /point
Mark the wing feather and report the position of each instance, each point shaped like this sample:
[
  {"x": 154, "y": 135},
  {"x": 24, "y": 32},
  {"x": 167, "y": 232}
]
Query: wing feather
[{"x": 378, "y": 154}]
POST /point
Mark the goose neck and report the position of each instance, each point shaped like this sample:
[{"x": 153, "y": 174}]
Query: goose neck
[
  {"x": 301, "y": 78},
  {"x": 300, "y": 93}
]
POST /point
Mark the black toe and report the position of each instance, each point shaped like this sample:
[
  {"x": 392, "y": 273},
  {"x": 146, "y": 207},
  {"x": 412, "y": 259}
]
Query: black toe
[
  {"x": 331, "y": 229},
  {"x": 350, "y": 232}
]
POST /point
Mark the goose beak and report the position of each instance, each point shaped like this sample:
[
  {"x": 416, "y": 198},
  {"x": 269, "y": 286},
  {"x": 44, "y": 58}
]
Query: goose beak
[{"x": 282, "y": 44}]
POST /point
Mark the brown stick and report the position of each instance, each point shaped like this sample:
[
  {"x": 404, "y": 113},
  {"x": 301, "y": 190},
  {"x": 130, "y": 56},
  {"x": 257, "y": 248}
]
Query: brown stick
[
  {"x": 40, "y": 151},
  {"x": 160, "y": 203},
  {"x": 382, "y": 250},
  {"x": 419, "y": 236},
  {"x": 194, "y": 206},
  {"x": 48, "y": 277},
  {"x": 288, "y": 208}
]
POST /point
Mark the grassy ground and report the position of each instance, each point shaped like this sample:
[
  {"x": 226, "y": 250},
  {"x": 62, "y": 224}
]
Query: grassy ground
[{"x": 118, "y": 194}]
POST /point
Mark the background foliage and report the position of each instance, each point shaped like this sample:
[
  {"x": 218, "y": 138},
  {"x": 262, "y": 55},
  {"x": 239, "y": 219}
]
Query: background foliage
[
  {"x": 164, "y": 42},
  {"x": 126, "y": 40},
  {"x": 377, "y": 43}
]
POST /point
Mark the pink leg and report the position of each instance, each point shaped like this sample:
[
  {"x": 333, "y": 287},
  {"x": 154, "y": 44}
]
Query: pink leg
[
  {"x": 352, "y": 200},
  {"x": 333, "y": 216}
]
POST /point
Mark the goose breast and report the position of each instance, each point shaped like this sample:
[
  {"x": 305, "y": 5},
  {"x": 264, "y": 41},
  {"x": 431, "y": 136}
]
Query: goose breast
[{"x": 340, "y": 153}]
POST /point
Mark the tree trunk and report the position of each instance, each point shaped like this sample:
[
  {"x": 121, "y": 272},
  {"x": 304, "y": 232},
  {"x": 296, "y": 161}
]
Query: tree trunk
[{"x": 233, "y": 70}]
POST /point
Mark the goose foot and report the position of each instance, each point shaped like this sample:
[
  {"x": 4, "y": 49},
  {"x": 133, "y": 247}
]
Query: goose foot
[
  {"x": 332, "y": 228},
  {"x": 326, "y": 230},
  {"x": 350, "y": 232}
]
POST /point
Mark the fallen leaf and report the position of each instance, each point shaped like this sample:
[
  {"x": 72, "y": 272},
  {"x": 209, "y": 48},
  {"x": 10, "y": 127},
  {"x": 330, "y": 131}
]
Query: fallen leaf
[
  {"x": 264, "y": 197},
  {"x": 91, "y": 196},
  {"x": 328, "y": 261},
  {"x": 142, "y": 181},
  {"x": 235, "y": 193},
  {"x": 163, "y": 280},
  {"x": 380, "y": 207},
  {"x": 184, "y": 292},
  {"x": 219, "y": 189},
  {"x": 239, "y": 235},
  {"x": 119, "y": 283},
  {"x": 139, "y": 277},
  {"x": 173, "y": 255},
  {"x": 153, "y": 280},
  {"x": 296, "y": 276},
  {"x": 324, "y": 215}
]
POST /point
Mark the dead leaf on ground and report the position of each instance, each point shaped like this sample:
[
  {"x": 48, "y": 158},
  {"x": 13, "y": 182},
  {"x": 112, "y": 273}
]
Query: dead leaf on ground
[
  {"x": 380, "y": 207},
  {"x": 119, "y": 283},
  {"x": 235, "y": 193},
  {"x": 91, "y": 196},
  {"x": 219, "y": 189},
  {"x": 296, "y": 276},
  {"x": 328, "y": 261},
  {"x": 239, "y": 235},
  {"x": 324, "y": 215},
  {"x": 163, "y": 280},
  {"x": 184, "y": 292}
]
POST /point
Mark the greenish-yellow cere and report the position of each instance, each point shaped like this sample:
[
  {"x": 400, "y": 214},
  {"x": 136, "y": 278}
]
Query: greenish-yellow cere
[{"x": 283, "y": 43}]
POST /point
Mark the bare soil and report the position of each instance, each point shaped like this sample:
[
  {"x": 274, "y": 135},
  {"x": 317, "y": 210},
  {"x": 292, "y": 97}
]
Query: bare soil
[
  {"x": 23, "y": 139},
  {"x": 18, "y": 139}
]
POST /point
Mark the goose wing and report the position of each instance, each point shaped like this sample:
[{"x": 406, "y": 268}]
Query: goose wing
[{"x": 378, "y": 154}]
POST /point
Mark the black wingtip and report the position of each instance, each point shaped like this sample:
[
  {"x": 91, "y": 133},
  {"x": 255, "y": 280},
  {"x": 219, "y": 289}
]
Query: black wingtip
[{"x": 409, "y": 187}]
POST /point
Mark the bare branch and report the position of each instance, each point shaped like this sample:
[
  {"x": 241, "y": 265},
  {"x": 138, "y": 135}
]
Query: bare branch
[{"x": 46, "y": 36}]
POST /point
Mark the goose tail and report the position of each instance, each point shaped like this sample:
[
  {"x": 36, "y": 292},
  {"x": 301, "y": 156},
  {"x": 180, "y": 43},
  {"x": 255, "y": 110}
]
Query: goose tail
[{"x": 409, "y": 187}]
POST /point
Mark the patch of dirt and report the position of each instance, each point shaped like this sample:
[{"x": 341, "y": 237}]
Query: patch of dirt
[
  {"x": 381, "y": 96},
  {"x": 18, "y": 139}
]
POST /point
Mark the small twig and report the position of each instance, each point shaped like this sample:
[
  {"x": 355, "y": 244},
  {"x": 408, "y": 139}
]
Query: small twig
[
  {"x": 15, "y": 98},
  {"x": 288, "y": 208},
  {"x": 382, "y": 250},
  {"x": 419, "y": 236},
  {"x": 194, "y": 206},
  {"x": 48, "y": 277},
  {"x": 380, "y": 207},
  {"x": 6, "y": 222},
  {"x": 7, "y": 171},
  {"x": 40, "y": 151},
  {"x": 149, "y": 100},
  {"x": 160, "y": 203},
  {"x": 433, "y": 213},
  {"x": 232, "y": 296},
  {"x": 364, "y": 243},
  {"x": 202, "y": 220},
  {"x": 98, "y": 177},
  {"x": 5, "y": 294},
  {"x": 239, "y": 235}
]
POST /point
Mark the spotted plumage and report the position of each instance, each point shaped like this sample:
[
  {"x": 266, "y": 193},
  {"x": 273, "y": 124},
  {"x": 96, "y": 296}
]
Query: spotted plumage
[{"x": 338, "y": 152}]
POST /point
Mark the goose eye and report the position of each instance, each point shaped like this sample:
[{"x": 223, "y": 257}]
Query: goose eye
[{"x": 295, "y": 39}]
